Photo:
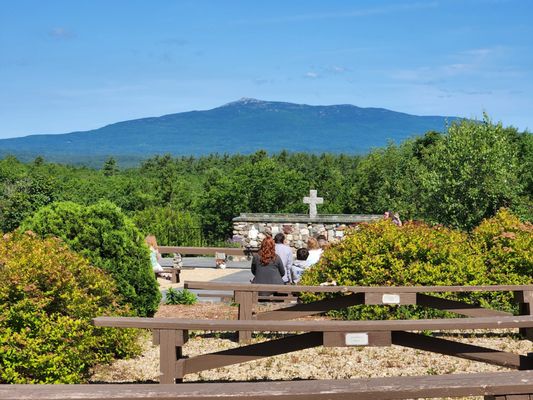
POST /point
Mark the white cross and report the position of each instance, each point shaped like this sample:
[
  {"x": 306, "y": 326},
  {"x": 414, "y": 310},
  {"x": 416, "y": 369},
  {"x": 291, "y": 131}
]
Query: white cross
[{"x": 312, "y": 200}]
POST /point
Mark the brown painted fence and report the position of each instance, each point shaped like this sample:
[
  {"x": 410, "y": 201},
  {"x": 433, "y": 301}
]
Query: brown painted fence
[
  {"x": 172, "y": 334},
  {"x": 247, "y": 295},
  {"x": 231, "y": 251},
  {"x": 500, "y": 386}
]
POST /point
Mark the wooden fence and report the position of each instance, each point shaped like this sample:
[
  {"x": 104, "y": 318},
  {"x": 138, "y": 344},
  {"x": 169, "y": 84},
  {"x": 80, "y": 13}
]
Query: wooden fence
[
  {"x": 247, "y": 296},
  {"x": 172, "y": 333},
  {"x": 499, "y": 386}
]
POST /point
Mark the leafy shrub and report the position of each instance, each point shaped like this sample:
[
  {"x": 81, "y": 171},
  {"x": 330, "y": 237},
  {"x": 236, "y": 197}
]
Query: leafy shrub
[
  {"x": 110, "y": 241},
  {"x": 48, "y": 295},
  {"x": 170, "y": 226},
  {"x": 184, "y": 296},
  {"x": 506, "y": 245},
  {"x": 382, "y": 254},
  {"x": 21, "y": 197}
]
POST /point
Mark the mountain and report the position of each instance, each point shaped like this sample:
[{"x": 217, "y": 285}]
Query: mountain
[{"x": 242, "y": 126}]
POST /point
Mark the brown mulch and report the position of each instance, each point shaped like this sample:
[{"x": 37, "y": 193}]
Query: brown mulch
[
  {"x": 198, "y": 311},
  {"x": 215, "y": 311}
]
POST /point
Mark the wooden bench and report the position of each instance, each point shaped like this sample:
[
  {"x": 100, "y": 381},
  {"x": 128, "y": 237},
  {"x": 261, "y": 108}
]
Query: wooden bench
[
  {"x": 172, "y": 333},
  {"x": 229, "y": 297},
  {"x": 174, "y": 265},
  {"x": 516, "y": 385},
  {"x": 246, "y": 295},
  {"x": 207, "y": 251}
]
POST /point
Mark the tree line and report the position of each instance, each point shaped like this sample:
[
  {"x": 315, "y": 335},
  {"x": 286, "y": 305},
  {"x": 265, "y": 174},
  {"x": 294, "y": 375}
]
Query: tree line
[{"x": 456, "y": 178}]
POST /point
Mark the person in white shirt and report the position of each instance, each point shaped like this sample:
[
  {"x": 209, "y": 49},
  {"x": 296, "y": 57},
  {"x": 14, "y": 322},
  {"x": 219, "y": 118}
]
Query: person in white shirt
[{"x": 315, "y": 252}]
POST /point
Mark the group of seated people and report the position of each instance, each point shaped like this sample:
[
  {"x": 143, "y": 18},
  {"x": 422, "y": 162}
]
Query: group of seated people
[{"x": 274, "y": 262}]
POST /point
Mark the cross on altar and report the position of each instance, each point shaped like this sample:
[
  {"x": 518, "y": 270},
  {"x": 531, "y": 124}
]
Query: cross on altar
[{"x": 312, "y": 200}]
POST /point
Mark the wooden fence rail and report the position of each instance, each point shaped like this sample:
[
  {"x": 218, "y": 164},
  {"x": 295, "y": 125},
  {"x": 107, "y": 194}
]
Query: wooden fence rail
[
  {"x": 247, "y": 295},
  {"x": 231, "y": 251},
  {"x": 501, "y": 386},
  {"x": 172, "y": 334}
]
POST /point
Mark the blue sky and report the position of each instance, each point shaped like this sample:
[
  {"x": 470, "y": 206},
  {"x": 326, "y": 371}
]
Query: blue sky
[{"x": 78, "y": 65}]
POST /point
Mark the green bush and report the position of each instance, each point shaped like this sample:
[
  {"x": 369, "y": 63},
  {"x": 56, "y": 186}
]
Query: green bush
[
  {"x": 184, "y": 296},
  {"x": 110, "y": 241},
  {"x": 382, "y": 254},
  {"x": 507, "y": 246},
  {"x": 48, "y": 295},
  {"x": 171, "y": 227}
]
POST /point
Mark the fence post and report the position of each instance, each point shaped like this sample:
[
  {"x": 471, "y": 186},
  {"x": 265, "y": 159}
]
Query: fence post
[
  {"x": 525, "y": 303},
  {"x": 245, "y": 301}
]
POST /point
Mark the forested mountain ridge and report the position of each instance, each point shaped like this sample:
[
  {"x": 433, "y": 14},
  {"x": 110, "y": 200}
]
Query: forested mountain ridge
[
  {"x": 457, "y": 179},
  {"x": 243, "y": 126}
]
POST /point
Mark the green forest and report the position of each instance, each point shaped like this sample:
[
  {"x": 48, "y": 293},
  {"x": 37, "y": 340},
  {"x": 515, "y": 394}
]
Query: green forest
[{"x": 456, "y": 178}]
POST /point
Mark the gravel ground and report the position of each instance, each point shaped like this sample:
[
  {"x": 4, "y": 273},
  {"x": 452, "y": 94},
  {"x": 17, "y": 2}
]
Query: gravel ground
[{"x": 315, "y": 363}]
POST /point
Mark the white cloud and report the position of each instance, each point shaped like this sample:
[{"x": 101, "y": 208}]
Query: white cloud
[
  {"x": 338, "y": 69},
  {"x": 354, "y": 13},
  {"x": 311, "y": 74},
  {"x": 178, "y": 42},
  {"x": 262, "y": 81},
  {"x": 478, "y": 52},
  {"x": 61, "y": 33},
  {"x": 480, "y": 62}
]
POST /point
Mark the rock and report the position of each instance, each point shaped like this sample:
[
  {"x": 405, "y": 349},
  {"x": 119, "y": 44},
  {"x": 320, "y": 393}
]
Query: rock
[{"x": 252, "y": 233}]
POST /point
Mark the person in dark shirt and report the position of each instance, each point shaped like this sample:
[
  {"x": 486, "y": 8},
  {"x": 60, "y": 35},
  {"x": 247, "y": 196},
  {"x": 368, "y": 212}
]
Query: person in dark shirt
[{"x": 267, "y": 266}]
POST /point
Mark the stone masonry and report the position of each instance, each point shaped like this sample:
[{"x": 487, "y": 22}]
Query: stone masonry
[{"x": 251, "y": 229}]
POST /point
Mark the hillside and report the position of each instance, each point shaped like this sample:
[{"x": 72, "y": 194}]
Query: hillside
[{"x": 242, "y": 126}]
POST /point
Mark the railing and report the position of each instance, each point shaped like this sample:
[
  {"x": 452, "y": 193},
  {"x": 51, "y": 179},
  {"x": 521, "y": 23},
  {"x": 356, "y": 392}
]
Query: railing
[
  {"x": 493, "y": 385},
  {"x": 172, "y": 334},
  {"x": 231, "y": 251}
]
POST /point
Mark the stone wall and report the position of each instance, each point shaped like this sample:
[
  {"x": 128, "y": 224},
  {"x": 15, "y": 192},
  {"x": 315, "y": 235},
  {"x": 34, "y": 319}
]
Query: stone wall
[{"x": 251, "y": 229}]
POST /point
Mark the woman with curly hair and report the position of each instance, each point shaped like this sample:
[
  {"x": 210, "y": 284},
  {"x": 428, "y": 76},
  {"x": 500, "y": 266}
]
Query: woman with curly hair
[{"x": 267, "y": 267}]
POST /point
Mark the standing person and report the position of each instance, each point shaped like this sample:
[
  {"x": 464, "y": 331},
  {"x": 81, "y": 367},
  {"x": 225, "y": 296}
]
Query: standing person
[
  {"x": 154, "y": 255},
  {"x": 314, "y": 251},
  {"x": 285, "y": 253},
  {"x": 267, "y": 267}
]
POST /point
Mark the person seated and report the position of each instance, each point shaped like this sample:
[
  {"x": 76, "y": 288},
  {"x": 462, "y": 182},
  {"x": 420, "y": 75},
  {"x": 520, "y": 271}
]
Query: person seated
[
  {"x": 285, "y": 253},
  {"x": 267, "y": 266},
  {"x": 394, "y": 217},
  {"x": 299, "y": 265},
  {"x": 322, "y": 242},
  {"x": 315, "y": 252},
  {"x": 154, "y": 255}
]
